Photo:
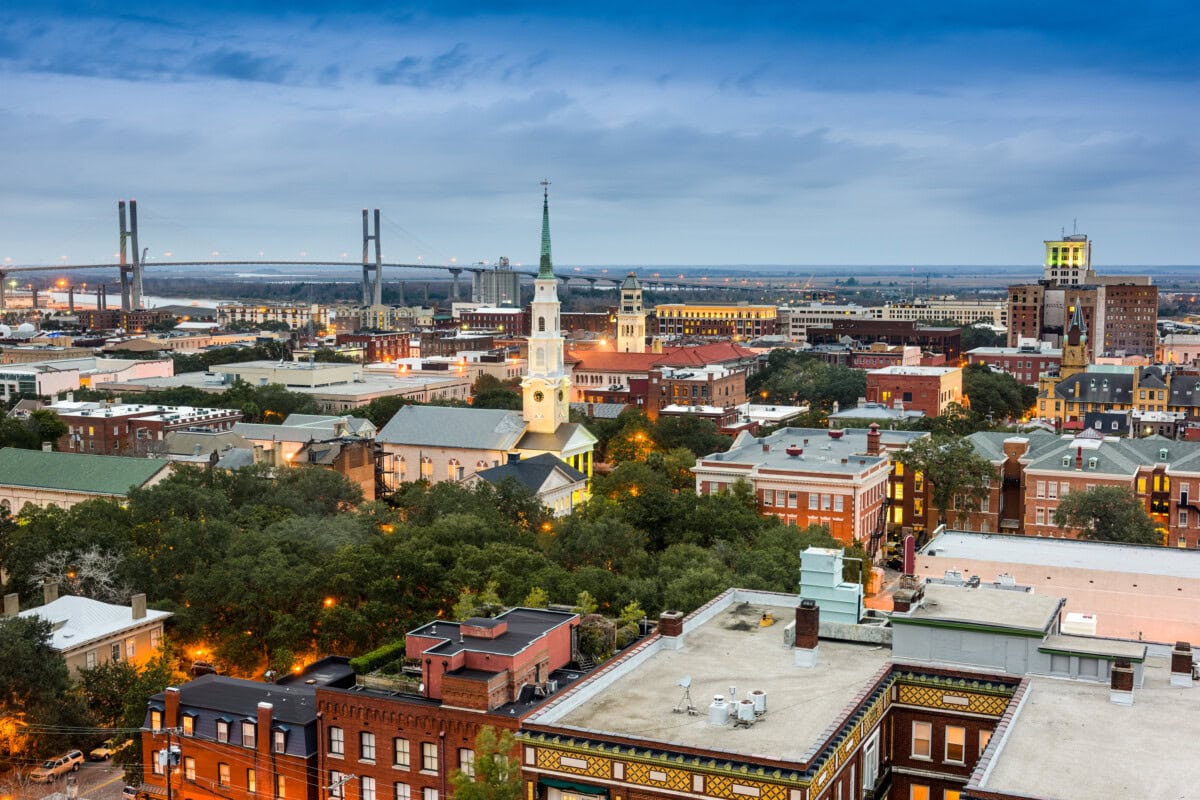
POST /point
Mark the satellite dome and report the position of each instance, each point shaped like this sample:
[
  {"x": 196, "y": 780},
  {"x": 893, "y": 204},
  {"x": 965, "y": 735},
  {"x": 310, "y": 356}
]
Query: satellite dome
[{"x": 26, "y": 327}]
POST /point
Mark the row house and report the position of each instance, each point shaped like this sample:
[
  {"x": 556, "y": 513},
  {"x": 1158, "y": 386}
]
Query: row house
[
  {"x": 378, "y": 346},
  {"x": 810, "y": 476},
  {"x": 1036, "y": 471},
  {"x": 1107, "y": 388}
]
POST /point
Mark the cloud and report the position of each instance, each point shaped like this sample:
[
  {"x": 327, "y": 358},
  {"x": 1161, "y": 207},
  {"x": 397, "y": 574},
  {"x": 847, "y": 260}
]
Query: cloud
[
  {"x": 445, "y": 70},
  {"x": 241, "y": 65}
]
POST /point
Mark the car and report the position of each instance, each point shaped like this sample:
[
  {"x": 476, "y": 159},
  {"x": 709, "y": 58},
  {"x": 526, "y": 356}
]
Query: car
[
  {"x": 107, "y": 750},
  {"x": 129, "y": 793},
  {"x": 53, "y": 768}
]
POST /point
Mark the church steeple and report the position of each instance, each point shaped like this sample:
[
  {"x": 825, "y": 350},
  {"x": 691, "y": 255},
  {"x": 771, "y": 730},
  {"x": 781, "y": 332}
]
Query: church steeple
[
  {"x": 545, "y": 267},
  {"x": 546, "y": 388},
  {"x": 1075, "y": 356}
]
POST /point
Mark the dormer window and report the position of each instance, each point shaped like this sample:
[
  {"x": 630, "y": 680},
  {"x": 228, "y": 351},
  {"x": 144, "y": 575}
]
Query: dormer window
[
  {"x": 1066, "y": 461},
  {"x": 1092, "y": 463}
]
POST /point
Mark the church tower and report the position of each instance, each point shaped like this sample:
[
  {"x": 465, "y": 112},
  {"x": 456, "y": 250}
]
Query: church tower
[
  {"x": 631, "y": 318},
  {"x": 546, "y": 388},
  {"x": 1075, "y": 348}
]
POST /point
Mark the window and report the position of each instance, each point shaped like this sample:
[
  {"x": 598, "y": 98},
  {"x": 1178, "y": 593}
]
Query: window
[
  {"x": 399, "y": 753},
  {"x": 956, "y": 740},
  {"x": 768, "y": 497},
  {"x": 278, "y": 741},
  {"x": 90, "y": 659},
  {"x": 222, "y": 774},
  {"x": 429, "y": 757},
  {"x": 401, "y": 792},
  {"x": 157, "y": 766},
  {"x": 1064, "y": 489},
  {"x": 922, "y": 740},
  {"x": 951, "y": 794},
  {"x": 280, "y": 787},
  {"x": 466, "y": 761},
  {"x": 337, "y": 742},
  {"x": 155, "y": 720},
  {"x": 1183, "y": 518},
  {"x": 1052, "y": 490},
  {"x": 367, "y": 788},
  {"x": 250, "y": 782},
  {"x": 222, "y": 731},
  {"x": 826, "y": 502},
  {"x": 429, "y": 794},
  {"x": 130, "y": 647},
  {"x": 366, "y": 746},
  {"x": 189, "y": 768},
  {"x": 336, "y": 784},
  {"x": 1041, "y": 488},
  {"x": 1039, "y": 516},
  {"x": 918, "y": 792},
  {"x": 791, "y": 500},
  {"x": 115, "y": 652},
  {"x": 247, "y": 734},
  {"x": 812, "y": 502},
  {"x": 189, "y": 725}
]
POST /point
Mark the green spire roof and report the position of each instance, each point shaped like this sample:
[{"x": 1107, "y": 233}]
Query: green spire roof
[{"x": 546, "y": 267}]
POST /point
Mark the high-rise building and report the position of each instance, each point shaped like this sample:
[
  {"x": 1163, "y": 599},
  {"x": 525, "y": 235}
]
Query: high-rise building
[
  {"x": 631, "y": 318},
  {"x": 1068, "y": 260},
  {"x": 499, "y": 286}
]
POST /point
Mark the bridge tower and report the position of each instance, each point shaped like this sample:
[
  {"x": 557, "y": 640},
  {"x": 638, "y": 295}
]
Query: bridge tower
[
  {"x": 372, "y": 284},
  {"x": 131, "y": 273}
]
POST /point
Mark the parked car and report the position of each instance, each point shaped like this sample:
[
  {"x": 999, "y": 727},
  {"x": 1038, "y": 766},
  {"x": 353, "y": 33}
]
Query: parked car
[
  {"x": 107, "y": 750},
  {"x": 129, "y": 793},
  {"x": 53, "y": 768}
]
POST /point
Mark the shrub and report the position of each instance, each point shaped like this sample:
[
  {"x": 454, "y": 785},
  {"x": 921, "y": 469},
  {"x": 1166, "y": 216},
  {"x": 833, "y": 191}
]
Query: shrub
[{"x": 369, "y": 662}]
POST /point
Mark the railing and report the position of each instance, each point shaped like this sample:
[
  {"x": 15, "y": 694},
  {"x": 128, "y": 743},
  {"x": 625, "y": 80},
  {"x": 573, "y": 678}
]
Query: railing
[{"x": 883, "y": 784}]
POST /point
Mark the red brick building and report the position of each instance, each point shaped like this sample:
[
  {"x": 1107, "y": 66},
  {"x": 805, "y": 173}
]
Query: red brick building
[
  {"x": 928, "y": 389},
  {"x": 378, "y": 346},
  {"x": 946, "y": 341},
  {"x": 500, "y": 319},
  {"x": 107, "y": 429},
  {"x": 690, "y": 386},
  {"x": 1025, "y": 363}
]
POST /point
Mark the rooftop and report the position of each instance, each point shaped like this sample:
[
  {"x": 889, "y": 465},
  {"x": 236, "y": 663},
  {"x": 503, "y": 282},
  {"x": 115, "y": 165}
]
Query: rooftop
[
  {"x": 525, "y": 626},
  {"x": 729, "y": 649},
  {"x": 990, "y": 608},
  {"x": 76, "y": 472},
  {"x": 470, "y": 428},
  {"x": 838, "y": 451},
  {"x": 1068, "y": 741},
  {"x": 1071, "y": 553},
  {"x": 916, "y": 371},
  {"x": 80, "y": 620}
]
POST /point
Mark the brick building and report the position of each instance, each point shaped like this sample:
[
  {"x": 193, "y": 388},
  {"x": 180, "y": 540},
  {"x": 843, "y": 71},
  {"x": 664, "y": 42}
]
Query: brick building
[
  {"x": 233, "y": 739},
  {"x": 946, "y": 341},
  {"x": 129, "y": 429},
  {"x": 500, "y": 319},
  {"x": 1026, "y": 363},
  {"x": 378, "y": 346},
  {"x": 928, "y": 389},
  {"x": 108, "y": 319},
  {"x": 295, "y": 317},
  {"x": 809, "y": 476},
  {"x": 689, "y": 386}
]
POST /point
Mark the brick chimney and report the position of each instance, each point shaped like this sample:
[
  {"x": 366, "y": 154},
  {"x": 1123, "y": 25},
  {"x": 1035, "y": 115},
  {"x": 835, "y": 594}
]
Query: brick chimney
[
  {"x": 12, "y": 604},
  {"x": 1121, "y": 686},
  {"x": 873, "y": 438},
  {"x": 1181, "y": 665},
  {"x": 137, "y": 605},
  {"x": 808, "y": 623},
  {"x": 49, "y": 591},
  {"x": 171, "y": 707},
  {"x": 262, "y": 743},
  {"x": 670, "y": 628}
]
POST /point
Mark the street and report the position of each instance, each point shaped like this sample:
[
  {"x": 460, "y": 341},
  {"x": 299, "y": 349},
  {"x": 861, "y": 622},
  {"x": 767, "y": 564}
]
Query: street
[{"x": 95, "y": 780}]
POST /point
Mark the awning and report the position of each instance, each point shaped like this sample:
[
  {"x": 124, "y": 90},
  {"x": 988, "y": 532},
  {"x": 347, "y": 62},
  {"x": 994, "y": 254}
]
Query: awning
[{"x": 571, "y": 786}]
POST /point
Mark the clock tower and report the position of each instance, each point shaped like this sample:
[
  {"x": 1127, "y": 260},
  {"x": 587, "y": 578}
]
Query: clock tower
[{"x": 546, "y": 389}]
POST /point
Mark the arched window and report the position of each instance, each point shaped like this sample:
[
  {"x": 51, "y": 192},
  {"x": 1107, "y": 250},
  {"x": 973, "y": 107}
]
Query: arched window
[
  {"x": 6, "y": 506},
  {"x": 541, "y": 324}
]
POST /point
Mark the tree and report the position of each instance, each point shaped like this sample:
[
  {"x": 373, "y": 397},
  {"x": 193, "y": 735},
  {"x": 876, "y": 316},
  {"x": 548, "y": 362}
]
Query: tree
[
  {"x": 1107, "y": 514},
  {"x": 488, "y": 391},
  {"x": 698, "y": 435},
  {"x": 496, "y": 774},
  {"x": 994, "y": 394},
  {"x": 380, "y": 410},
  {"x": 34, "y": 685},
  {"x": 956, "y": 473}
]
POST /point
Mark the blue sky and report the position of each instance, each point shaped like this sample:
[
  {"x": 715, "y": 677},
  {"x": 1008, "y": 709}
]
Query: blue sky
[{"x": 674, "y": 133}]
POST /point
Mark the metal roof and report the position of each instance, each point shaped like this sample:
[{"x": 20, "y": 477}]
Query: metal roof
[
  {"x": 77, "y": 472},
  {"x": 443, "y": 426}
]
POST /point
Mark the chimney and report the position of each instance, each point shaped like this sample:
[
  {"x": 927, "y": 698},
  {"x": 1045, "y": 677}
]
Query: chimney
[
  {"x": 262, "y": 741},
  {"x": 766, "y": 447},
  {"x": 49, "y": 591},
  {"x": 1121, "y": 686},
  {"x": 1078, "y": 458},
  {"x": 171, "y": 710},
  {"x": 1181, "y": 665},
  {"x": 808, "y": 624},
  {"x": 12, "y": 604},
  {"x": 873, "y": 438},
  {"x": 670, "y": 628},
  {"x": 137, "y": 604}
]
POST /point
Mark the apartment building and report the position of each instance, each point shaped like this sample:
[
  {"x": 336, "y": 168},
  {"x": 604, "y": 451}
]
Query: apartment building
[{"x": 737, "y": 321}]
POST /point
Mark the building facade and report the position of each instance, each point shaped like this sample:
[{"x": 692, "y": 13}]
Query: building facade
[
  {"x": 927, "y": 389},
  {"x": 130, "y": 429},
  {"x": 631, "y": 317},
  {"x": 737, "y": 321}
]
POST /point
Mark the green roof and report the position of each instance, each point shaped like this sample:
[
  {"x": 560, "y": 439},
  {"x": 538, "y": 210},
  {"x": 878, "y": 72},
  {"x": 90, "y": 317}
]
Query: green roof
[{"x": 76, "y": 472}]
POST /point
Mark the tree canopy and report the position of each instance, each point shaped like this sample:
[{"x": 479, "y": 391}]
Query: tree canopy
[
  {"x": 958, "y": 476},
  {"x": 1107, "y": 514},
  {"x": 795, "y": 377}
]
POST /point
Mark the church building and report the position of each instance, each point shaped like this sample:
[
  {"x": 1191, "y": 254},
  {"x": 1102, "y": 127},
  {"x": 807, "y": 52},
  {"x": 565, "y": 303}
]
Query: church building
[{"x": 437, "y": 444}]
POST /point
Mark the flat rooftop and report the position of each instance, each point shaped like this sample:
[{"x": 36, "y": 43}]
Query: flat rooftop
[
  {"x": 991, "y": 607},
  {"x": 525, "y": 626},
  {"x": 1069, "y": 742},
  {"x": 837, "y": 451},
  {"x": 1071, "y": 553},
  {"x": 920, "y": 371},
  {"x": 730, "y": 649}
]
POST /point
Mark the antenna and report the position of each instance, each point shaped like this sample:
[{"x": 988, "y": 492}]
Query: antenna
[
  {"x": 1074, "y": 226},
  {"x": 685, "y": 701}
]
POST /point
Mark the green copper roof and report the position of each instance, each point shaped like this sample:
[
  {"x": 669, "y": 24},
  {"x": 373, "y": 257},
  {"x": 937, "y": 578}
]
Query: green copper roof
[
  {"x": 546, "y": 268},
  {"x": 76, "y": 472}
]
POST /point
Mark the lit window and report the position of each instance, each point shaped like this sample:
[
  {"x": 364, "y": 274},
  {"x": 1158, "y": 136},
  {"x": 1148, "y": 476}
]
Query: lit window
[
  {"x": 247, "y": 734},
  {"x": 189, "y": 768},
  {"x": 189, "y": 725},
  {"x": 155, "y": 720},
  {"x": 918, "y": 792},
  {"x": 222, "y": 731},
  {"x": 922, "y": 740},
  {"x": 279, "y": 741},
  {"x": 280, "y": 787},
  {"x": 250, "y": 781},
  {"x": 956, "y": 740},
  {"x": 984, "y": 738},
  {"x": 222, "y": 774}
]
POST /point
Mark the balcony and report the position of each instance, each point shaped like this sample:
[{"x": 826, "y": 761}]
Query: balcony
[{"x": 883, "y": 785}]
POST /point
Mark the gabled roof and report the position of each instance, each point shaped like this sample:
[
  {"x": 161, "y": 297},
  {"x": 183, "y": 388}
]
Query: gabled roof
[
  {"x": 466, "y": 428},
  {"x": 1185, "y": 391},
  {"x": 357, "y": 425},
  {"x": 80, "y": 620},
  {"x": 990, "y": 444},
  {"x": 77, "y": 472},
  {"x": 1097, "y": 387},
  {"x": 533, "y": 473},
  {"x": 184, "y": 443},
  {"x": 566, "y": 437},
  {"x": 600, "y": 410}
]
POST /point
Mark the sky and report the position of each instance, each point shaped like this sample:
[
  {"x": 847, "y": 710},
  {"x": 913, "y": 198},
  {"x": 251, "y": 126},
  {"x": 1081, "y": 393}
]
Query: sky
[{"x": 673, "y": 133}]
